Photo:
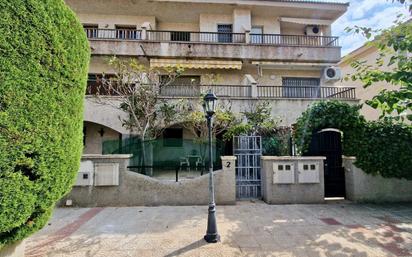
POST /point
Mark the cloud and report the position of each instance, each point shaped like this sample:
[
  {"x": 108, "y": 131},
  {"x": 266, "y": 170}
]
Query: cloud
[{"x": 376, "y": 14}]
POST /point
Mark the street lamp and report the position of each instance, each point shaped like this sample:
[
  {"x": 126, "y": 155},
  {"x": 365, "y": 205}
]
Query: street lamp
[{"x": 209, "y": 105}]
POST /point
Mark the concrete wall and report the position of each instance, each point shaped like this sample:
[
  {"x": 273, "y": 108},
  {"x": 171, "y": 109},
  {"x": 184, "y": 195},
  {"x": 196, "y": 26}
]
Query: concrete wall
[
  {"x": 14, "y": 250},
  {"x": 94, "y": 140},
  {"x": 285, "y": 109},
  {"x": 362, "y": 187},
  {"x": 110, "y": 21},
  {"x": 135, "y": 189},
  {"x": 216, "y": 50},
  {"x": 105, "y": 114},
  {"x": 291, "y": 192}
]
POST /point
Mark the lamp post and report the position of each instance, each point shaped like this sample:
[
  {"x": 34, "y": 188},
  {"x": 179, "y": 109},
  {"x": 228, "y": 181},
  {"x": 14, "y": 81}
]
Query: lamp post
[{"x": 209, "y": 104}]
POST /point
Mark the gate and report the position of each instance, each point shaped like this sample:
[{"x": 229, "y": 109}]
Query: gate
[
  {"x": 328, "y": 143},
  {"x": 248, "y": 150}
]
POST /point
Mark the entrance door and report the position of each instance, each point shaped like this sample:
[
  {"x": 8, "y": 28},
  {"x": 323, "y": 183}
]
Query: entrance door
[
  {"x": 248, "y": 150},
  {"x": 329, "y": 144}
]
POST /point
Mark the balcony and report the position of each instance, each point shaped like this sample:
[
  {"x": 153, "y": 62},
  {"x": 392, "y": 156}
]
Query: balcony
[
  {"x": 260, "y": 91},
  {"x": 156, "y": 43},
  {"x": 287, "y": 102}
]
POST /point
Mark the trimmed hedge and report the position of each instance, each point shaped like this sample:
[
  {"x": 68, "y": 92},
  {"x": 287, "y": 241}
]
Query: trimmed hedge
[
  {"x": 381, "y": 148},
  {"x": 44, "y": 56}
]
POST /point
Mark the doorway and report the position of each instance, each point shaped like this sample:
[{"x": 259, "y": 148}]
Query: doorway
[{"x": 328, "y": 143}]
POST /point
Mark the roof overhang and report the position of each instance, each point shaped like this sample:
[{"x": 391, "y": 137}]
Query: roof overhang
[{"x": 306, "y": 21}]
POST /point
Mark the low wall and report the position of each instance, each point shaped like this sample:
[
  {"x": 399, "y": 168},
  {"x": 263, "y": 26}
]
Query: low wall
[
  {"x": 291, "y": 180},
  {"x": 14, "y": 250},
  {"x": 362, "y": 187},
  {"x": 136, "y": 190}
]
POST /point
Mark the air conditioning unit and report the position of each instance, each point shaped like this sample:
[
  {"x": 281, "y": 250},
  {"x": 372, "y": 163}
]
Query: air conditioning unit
[
  {"x": 332, "y": 74},
  {"x": 85, "y": 174},
  {"x": 312, "y": 31}
]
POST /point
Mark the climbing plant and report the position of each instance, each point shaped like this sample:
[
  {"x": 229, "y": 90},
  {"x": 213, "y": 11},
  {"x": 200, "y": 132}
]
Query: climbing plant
[
  {"x": 43, "y": 71},
  {"x": 380, "y": 147},
  {"x": 330, "y": 114}
]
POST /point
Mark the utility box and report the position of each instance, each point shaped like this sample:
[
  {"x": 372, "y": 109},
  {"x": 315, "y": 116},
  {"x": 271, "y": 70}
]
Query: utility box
[
  {"x": 308, "y": 172},
  {"x": 85, "y": 174},
  {"x": 283, "y": 173},
  {"x": 106, "y": 174}
]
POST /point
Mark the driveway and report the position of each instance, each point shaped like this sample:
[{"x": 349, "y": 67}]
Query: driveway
[{"x": 247, "y": 229}]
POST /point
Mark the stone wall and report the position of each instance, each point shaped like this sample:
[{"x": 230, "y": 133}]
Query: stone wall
[
  {"x": 362, "y": 187},
  {"x": 135, "y": 189},
  {"x": 284, "y": 181}
]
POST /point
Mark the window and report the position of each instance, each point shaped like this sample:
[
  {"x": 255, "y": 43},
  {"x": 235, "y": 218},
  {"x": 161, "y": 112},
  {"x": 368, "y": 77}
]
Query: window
[
  {"x": 91, "y": 30},
  {"x": 295, "y": 87},
  {"x": 126, "y": 32},
  {"x": 256, "y": 36},
  {"x": 173, "y": 137},
  {"x": 179, "y": 36},
  {"x": 225, "y": 33}
]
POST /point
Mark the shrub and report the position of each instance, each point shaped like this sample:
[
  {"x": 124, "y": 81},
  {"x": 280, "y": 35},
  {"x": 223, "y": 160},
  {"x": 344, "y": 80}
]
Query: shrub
[
  {"x": 380, "y": 148},
  {"x": 330, "y": 114},
  {"x": 386, "y": 150},
  {"x": 44, "y": 56}
]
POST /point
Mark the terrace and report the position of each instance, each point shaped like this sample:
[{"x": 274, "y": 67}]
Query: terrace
[{"x": 183, "y": 44}]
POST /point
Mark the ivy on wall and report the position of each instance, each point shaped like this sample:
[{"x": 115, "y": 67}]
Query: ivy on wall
[
  {"x": 43, "y": 71},
  {"x": 330, "y": 114},
  {"x": 381, "y": 148}
]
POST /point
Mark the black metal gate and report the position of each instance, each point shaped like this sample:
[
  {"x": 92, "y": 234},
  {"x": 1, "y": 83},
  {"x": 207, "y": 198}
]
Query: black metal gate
[
  {"x": 328, "y": 143},
  {"x": 248, "y": 150}
]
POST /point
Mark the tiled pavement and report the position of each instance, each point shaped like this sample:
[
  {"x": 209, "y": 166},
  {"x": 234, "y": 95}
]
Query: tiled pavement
[{"x": 247, "y": 229}]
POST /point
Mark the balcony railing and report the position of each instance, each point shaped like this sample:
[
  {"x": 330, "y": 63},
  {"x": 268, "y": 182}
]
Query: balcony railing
[
  {"x": 195, "y": 37},
  {"x": 264, "y": 92},
  {"x": 121, "y": 34},
  {"x": 197, "y": 90},
  {"x": 306, "y": 92},
  {"x": 298, "y": 40},
  {"x": 211, "y": 37}
]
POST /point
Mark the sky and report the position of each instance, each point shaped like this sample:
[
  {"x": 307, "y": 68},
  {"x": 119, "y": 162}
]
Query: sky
[{"x": 376, "y": 14}]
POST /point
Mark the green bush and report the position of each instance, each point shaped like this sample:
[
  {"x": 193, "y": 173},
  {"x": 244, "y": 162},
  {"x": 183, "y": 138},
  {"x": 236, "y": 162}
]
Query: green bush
[
  {"x": 380, "y": 148},
  {"x": 330, "y": 114},
  {"x": 44, "y": 56},
  {"x": 386, "y": 150}
]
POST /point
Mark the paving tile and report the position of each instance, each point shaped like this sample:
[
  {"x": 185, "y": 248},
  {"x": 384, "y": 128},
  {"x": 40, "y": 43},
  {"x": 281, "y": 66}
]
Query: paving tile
[{"x": 247, "y": 229}]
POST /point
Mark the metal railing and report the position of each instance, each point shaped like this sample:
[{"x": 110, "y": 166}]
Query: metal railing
[
  {"x": 212, "y": 37},
  {"x": 121, "y": 34},
  {"x": 195, "y": 37},
  {"x": 197, "y": 90},
  {"x": 264, "y": 91},
  {"x": 306, "y": 92},
  {"x": 297, "y": 40}
]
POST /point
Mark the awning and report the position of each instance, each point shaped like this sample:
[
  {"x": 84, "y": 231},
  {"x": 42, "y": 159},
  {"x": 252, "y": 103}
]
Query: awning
[
  {"x": 306, "y": 21},
  {"x": 195, "y": 64}
]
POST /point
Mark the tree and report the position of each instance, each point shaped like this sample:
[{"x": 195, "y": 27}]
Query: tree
[
  {"x": 255, "y": 120},
  {"x": 394, "y": 44},
  {"x": 192, "y": 118},
  {"x": 43, "y": 71},
  {"x": 135, "y": 89}
]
